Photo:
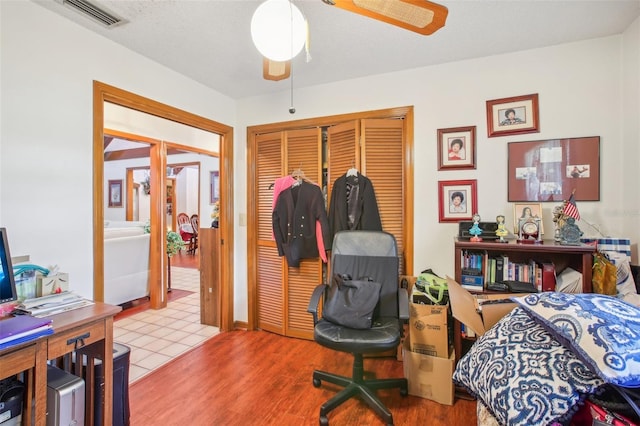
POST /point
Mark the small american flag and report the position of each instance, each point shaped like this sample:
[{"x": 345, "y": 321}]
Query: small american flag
[{"x": 570, "y": 209}]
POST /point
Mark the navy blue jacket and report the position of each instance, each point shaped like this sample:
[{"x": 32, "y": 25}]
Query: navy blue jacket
[{"x": 294, "y": 222}]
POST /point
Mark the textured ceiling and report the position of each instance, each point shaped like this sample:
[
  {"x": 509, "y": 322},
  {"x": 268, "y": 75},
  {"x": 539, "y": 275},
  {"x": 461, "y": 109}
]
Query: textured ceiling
[{"x": 210, "y": 42}]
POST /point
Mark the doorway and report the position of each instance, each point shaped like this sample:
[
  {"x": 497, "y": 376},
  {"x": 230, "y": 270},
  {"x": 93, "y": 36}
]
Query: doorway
[{"x": 105, "y": 94}]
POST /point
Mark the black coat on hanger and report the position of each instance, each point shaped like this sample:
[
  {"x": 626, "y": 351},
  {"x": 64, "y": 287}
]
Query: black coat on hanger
[{"x": 363, "y": 208}]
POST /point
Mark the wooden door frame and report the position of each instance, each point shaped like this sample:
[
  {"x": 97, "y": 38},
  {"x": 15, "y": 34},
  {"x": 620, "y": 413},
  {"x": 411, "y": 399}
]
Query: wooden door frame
[
  {"x": 105, "y": 93},
  {"x": 405, "y": 113}
]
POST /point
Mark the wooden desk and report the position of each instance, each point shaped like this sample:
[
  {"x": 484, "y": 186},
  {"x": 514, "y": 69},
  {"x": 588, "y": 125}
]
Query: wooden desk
[{"x": 88, "y": 330}]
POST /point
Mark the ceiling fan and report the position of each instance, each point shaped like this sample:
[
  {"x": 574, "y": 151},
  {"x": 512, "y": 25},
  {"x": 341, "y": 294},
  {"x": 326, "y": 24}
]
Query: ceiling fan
[{"x": 420, "y": 16}]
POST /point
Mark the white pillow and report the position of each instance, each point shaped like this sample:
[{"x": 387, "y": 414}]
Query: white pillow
[{"x": 625, "y": 283}]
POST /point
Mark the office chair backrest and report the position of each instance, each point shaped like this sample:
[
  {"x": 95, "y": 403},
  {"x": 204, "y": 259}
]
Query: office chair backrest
[{"x": 369, "y": 254}]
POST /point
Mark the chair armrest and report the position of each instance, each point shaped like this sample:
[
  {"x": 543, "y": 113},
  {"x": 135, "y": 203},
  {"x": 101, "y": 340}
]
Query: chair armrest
[
  {"x": 314, "y": 302},
  {"x": 403, "y": 304}
]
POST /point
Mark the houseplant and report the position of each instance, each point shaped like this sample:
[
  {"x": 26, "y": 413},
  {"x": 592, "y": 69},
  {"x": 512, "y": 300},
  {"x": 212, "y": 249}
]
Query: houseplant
[
  {"x": 174, "y": 240},
  {"x": 174, "y": 245}
]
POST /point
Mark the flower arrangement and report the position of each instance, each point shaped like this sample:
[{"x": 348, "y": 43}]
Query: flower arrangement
[{"x": 215, "y": 214}]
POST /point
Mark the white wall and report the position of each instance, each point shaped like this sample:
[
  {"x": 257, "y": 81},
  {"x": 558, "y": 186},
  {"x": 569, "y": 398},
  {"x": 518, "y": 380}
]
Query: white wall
[
  {"x": 581, "y": 92},
  {"x": 46, "y": 164},
  {"x": 116, "y": 170},
  {"x": 186, "y": 181},
  {"x": 629, "y": 211},
  {"x": 117, "y": 117},
  {"x": 48, "y": 65}
]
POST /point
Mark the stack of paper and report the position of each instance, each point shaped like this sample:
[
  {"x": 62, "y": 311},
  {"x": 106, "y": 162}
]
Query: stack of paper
[
  {"x": 53, "y": 304},
  {"x": 22, "y": 328}
]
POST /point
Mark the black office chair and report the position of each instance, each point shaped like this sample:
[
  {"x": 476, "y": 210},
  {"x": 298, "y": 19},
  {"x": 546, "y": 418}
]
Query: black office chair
[{"x": 363, "y": 254}]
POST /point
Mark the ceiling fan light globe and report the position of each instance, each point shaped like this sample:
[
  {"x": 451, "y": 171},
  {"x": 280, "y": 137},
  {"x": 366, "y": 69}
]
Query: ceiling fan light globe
[{"x": 278, "y": 30}]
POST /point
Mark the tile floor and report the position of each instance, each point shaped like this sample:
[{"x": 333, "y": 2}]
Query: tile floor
[{"x": 155, "y": 337}]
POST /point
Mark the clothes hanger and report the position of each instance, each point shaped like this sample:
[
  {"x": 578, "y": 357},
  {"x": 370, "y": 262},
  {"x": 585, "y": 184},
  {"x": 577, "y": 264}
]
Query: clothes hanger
[
  {"x": 299, "y": 176},
  {"x": 353, "y": 171}
]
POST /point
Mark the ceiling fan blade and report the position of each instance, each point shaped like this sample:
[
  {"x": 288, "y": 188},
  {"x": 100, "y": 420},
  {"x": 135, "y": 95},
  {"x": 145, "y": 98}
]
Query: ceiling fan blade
[
  {"x": 420, "y": 16},
  {"x": 274, "y": 70}
]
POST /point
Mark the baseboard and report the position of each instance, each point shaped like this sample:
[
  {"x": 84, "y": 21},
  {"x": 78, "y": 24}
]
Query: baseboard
[{"x": 240, "y": 325}]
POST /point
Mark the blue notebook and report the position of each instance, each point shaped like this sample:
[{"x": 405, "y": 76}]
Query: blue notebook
[
  {"x": 32, "y": 336},
  {"x": 23, "y": 326}
]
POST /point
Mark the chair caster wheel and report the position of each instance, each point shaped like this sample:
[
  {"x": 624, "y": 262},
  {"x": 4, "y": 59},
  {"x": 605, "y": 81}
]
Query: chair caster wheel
[
  {"x": 324, "y": 421},
  {"x": 316, "y": 383}
]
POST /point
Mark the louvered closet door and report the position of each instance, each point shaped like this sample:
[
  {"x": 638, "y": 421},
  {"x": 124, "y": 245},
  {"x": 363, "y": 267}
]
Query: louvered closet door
[
  {"x": 303, "y": 150},
  {"x": 283, "y": 293},
  {"x": 270, "y": 287},
  {"x": 375, "y": 147},
  {"x": 381, "y": 154},
  {"x": 343, "y": 150}
]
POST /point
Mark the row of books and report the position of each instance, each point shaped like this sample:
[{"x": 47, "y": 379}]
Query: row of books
[
  {"x": 479, "y": 270},
  {"x": 23, "y": 328}
]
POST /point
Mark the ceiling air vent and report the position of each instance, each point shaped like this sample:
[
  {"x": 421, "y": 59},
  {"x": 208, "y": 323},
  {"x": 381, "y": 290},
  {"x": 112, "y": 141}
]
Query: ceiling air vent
[{"x": 94, "y": 12}]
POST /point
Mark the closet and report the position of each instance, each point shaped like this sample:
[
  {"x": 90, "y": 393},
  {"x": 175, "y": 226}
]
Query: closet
[{"x": 378, "y": 143}]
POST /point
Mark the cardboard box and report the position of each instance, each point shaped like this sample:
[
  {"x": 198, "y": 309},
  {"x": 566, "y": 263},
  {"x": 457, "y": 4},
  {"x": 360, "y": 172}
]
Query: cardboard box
[
  {"x": 428, "y": 330},
  {"x": 429, "y": 377},
  {"x": 479, "y": 312},
  {"x": 405, "y": 336}
]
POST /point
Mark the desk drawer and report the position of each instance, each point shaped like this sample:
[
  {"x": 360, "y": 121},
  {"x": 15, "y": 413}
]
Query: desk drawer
[
  {"x": 76, "y": 338},
  {"x": 18, "y": 361}
]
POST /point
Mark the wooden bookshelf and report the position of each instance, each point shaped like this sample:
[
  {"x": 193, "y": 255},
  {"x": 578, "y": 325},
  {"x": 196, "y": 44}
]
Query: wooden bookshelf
[{"x": 579, "y": 258}]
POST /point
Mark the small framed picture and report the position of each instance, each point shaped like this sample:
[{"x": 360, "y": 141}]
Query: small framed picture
[
  {"x": 457, "y": 199},
  {"x": 513, "y": 116},
  {"x": 214, "y": 187},
  {"x": 115, "y": 193},
  {"x": 457, "y": 148},
  {"x": 525, "y": 211}
]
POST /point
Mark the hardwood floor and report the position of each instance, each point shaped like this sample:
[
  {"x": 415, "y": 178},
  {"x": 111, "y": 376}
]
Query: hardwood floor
[
  {"x": 186, "y": 260},
  {"x": 260, "y": 378}
]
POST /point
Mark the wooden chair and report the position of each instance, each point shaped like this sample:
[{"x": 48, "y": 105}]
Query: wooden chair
[
  {"x": 183, "y": 218},
  {"x": 185, "y": 231},
  {"x": 195, "y": 224}
]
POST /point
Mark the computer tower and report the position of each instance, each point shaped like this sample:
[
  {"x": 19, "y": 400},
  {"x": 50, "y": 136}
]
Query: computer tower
[
  {"x": 121, "y": 355},
  {"x": 120, "y": 413},
  {"x": 65, "y": 398}
]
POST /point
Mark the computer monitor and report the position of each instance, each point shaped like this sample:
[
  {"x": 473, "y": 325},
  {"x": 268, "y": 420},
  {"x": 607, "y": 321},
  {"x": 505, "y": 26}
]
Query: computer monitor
[{"x": 7, "y": 282}]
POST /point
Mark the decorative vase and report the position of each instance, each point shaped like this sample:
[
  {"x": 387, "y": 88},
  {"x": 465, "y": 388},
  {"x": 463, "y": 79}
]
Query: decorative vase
[{"x": 214, "y": 224}]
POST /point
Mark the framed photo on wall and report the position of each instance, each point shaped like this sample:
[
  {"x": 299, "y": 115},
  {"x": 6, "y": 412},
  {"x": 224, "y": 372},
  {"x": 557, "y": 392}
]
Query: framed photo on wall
[
  {"x": 457, "y": 200},
  {"x": 457, "y": 148},
  {"x": 115, "y": 193},
  {"x": 214, "y": 187},
  {"x": 513, "y": 116},
  {"x": 551, "y": 170},
  {"x": 524, "y": 211}
]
